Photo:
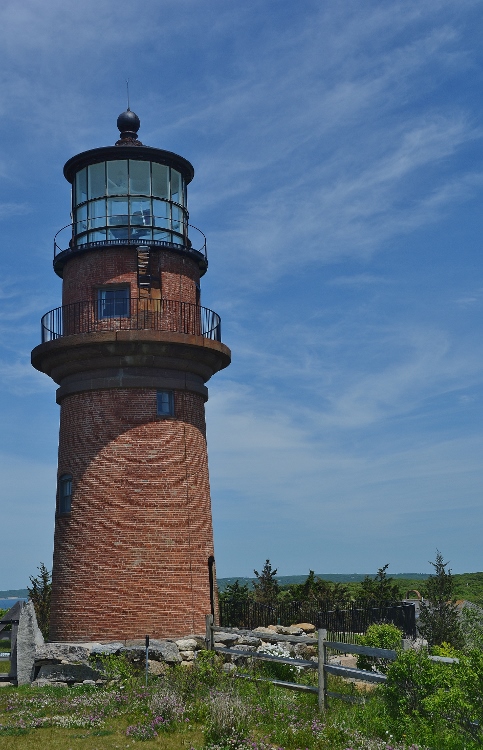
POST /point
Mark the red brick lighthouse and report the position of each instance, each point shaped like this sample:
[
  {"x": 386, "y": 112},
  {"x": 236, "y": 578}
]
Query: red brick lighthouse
[{"x": 131, "y": 349}]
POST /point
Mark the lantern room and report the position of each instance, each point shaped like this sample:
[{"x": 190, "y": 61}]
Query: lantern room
[{"x": 128, "y": 194}]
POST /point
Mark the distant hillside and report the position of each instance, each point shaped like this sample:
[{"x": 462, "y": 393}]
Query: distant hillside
[
  {"x": 21, "y": 593},
  {"x": 333, "y": 577}
]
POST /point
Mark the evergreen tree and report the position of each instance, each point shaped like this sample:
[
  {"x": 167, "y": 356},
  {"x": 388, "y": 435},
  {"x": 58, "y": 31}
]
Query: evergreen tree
[
  {"x": 317, "y": 590},
  {"x": 234, "y": 592},
  {"x": 379, "y": 589},
  {"x": 439, "y": 620},
  {"x": 266, "y": 588},
  {"x": 339, "y": 595},
  {"x": 39, "y": 594}
]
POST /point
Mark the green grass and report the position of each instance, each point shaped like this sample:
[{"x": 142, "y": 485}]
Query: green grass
[
  {"x": 113, "y": 738},
  {"x": 202, "y": 706}
]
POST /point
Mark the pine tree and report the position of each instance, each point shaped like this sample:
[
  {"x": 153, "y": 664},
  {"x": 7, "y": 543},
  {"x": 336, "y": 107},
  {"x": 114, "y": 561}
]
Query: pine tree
[
  {"x": 39, "y": 594},
  {"x": 379, "y": 589},
  {"x": 317, "y": 590},
  {"x": 439, "y": 620},
  {"x": 234, "y": 592},
  {"x": 266, "y": 587}
]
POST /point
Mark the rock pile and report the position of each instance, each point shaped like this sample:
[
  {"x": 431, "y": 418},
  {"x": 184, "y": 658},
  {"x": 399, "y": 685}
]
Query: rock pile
[{"x": 76, "y": 663}]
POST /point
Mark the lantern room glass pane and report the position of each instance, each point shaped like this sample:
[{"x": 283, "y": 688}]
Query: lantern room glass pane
[
  {"x": 117, "y": 177},
  {"x": 140, "y": 212},
  {"x": 118, "y": 217},
  {"x": 161, "y": 214},
  {"x": 161, "y": 235},
  {"x": 177, "y": 216},
  {"x": 80, "y": 187},
  {"x": 97, "y": 214},
  {"x": 80, "y": 223},
  {"x": 97, "y": 180},
  {"x": 117, "y": 211},
  {"x": 98, "y": 236},
  {"x": 139, "y": 177},
  {"x": 160, "y": 181},
  {"x": 175, "y": 186}
]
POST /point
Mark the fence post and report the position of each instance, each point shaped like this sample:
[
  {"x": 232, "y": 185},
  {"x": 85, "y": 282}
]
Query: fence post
[
  {"x": 321, "y": 636},
  {"x": 209, "y": 633}
]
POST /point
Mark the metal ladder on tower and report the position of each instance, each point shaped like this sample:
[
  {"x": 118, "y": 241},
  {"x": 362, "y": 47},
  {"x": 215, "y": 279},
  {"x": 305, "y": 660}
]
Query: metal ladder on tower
[{"x": 144, "y": 273}]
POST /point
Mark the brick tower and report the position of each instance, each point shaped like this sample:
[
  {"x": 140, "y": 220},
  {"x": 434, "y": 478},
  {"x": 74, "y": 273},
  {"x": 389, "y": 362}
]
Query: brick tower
[{"x": 131, "y": 349}]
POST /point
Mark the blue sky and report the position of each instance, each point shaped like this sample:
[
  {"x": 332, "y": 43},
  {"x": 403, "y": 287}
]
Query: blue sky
[{"x": 339, "y": 179}]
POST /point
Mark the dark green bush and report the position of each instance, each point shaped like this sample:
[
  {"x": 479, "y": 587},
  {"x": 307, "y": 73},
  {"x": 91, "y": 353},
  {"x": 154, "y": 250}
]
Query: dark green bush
[{"x": 446, "y": 698}]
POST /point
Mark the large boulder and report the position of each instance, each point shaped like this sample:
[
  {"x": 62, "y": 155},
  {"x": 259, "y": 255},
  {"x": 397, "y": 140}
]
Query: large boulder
[
  {"x": 248, "y": 640},
  {"x": 100, "y": 649},
  {"x": 29, "y": 638},
  {"x": 62, "y": 653},
  {"x": 164, "y": 651},
  {"x": 305, "y": 626},
  {"x": 226, "y": 639},
  {"x": 291, "y": 630},
  {"x": 67, "y": 673},
  {"x": 187, "y": 644}
]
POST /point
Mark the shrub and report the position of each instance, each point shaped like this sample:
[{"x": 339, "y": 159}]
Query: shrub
[
  {"x": 40, "y": 592},
  {"x": 444, "y": 697},
  {"x": 116, "y": 667},
  {"x": 379, "y": 636},
  {"x": 208, "y": 667}
]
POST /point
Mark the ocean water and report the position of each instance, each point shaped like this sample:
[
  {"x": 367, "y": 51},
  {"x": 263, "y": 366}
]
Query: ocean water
[{"x": 8, "y": 603}]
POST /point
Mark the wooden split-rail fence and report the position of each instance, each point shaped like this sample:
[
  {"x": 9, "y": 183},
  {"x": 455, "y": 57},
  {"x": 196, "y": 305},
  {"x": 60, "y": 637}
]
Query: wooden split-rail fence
[{"x": 322, "y": 666}]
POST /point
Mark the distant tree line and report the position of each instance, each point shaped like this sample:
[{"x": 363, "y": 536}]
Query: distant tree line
[
  {"x": 440, "y": 620},
  {"x": 267, "y": 590}
]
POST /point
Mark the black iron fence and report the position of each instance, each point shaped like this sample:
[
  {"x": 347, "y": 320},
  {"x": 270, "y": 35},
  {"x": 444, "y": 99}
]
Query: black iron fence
[
  {"x": 131, "y": 315},
  {"x": 338, "y": 622}
]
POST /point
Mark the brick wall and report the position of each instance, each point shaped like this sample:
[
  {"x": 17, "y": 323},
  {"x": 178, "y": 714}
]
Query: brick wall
[
  {"x": 132, "y": 557},
  {"x": 85, "y": 273}
]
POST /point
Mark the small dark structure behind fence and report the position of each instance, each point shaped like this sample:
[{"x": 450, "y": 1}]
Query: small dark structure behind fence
[{"x": 341, "y": 622}]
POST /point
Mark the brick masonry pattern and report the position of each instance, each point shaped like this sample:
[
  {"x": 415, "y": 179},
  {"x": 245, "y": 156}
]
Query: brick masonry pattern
[
  {"x": 132, "y": 556},
  {"x": 85, "y": 273}
]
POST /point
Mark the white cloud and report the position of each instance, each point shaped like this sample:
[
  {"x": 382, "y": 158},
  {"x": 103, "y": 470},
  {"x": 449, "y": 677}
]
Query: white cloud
[{"x": 269, "y": 470}]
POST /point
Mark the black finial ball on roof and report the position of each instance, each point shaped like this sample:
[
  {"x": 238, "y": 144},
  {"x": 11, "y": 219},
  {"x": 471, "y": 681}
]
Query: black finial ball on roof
[{"x": 128, "y": 123}]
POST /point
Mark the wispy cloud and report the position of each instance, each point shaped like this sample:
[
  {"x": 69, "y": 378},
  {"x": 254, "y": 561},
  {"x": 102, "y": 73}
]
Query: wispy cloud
[
  {"x": 358, "y": 280},
  {"x": 8, "y": 210},
  {"x": 267, "y": 467}
]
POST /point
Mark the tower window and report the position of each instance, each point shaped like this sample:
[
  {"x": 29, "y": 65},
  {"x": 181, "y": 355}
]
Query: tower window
[
  {"x": 165, "y": 401},
  {"x": 64, "y": 493},
  {"x": 113, "y": 303}
]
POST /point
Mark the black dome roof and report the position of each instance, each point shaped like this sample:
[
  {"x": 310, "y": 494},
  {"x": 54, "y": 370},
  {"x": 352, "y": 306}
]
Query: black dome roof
[{"x": 128, "y": 122}]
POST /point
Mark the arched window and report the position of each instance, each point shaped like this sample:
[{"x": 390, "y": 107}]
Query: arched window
[{"x": 64, "y": 493}]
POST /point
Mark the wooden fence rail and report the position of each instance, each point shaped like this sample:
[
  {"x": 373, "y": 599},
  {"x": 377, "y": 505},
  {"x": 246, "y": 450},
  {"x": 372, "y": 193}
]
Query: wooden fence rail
[{"x": 322, "y": 665}]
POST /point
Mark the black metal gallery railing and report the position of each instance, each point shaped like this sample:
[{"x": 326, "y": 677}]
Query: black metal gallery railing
[
  {"x": 131, "y": 315},
  {"x": 114, "y": 231},
  {"x": 352, "y": 619}
]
